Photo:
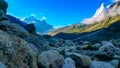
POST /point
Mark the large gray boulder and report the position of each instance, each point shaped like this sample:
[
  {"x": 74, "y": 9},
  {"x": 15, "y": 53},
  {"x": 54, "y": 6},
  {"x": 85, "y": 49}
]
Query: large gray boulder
[
  {"x": 51, "y": 59},
  {"x": 69, "y": 63},
  {"x": 39, "y": 42},
  {"x": 107, "y": 47},
  {"x": 16, "y": 52},
  {"x": 100, "y": 64},
  {"x": 80, "y": 60}
]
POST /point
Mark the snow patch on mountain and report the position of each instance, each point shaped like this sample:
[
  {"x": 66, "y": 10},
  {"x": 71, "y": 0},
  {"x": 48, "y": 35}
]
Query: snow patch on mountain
[
  {"x": 103, "y": 13},
  {"x": 100, "y": 10},
  {"x": 98, "y": 16}
]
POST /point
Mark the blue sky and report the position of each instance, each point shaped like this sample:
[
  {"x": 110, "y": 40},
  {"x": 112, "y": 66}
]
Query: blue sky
[{"x": 57, "y": 12}]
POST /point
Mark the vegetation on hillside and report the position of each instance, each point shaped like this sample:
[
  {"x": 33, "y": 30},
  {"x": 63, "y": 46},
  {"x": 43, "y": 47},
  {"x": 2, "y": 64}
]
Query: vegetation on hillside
[{"x": 82, "y": 28}]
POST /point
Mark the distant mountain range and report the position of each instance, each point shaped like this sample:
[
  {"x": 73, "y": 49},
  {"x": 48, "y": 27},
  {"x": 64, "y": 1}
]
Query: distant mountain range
[
  {"x": 42, "y": 26},
  {"x": 104, "y": 23}
]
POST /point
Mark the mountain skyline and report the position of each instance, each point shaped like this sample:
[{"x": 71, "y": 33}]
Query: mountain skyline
[
  {"x": 56, "y": 12},
  {"x": 103, "y": 18},
  {"x": 41, "y": 26}
]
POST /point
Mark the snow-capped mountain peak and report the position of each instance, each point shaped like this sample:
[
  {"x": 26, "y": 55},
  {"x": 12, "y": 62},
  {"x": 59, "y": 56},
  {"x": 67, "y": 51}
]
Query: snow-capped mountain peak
[
  {"x": 99, "y": 10},
  {"x": 43, "y": 18},
  {"x": 31, "y": 19},
  {"x": 41, "y": 26}
]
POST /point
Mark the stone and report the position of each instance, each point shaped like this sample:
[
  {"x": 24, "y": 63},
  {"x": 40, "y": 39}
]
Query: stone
[
  {"x": 77, "y": 58},
  {"x": 81, "y": 60},
  {"x": 13, "y": 29},
  {"x": 69, "y": 43},
  {"x": 56, "y": 42},
  {"x": 39, "y": 42},
  {"x": 86, "y": 43},
  {"x": 107, "y": 47},
  {"x": 106, "y": 44},
  {"x": 2, "y": 65},
  {"x": 97, "y": 45},
  {"x": 86, "y": 61},
  {"x": 35, "y": 50},
  {"x": 117, "y": 51},
  {"x": 30, "y": 28},
  {"x": 102, "y": 56},
  {"x": 116, "y": 57},
  {"x": 2, "y": 15},
  {"x": 88, "y": 47},
  {"x": 91, "y": 47},
  {"x": 115, "y": 63},
  {"x": 100, "y": 64},
  {"x": 69, "y": 63},
  {"x": 16, "y": 52},
  {"x": 51, "y": 59},
  {"x": 3, "y": 5},
  {"x": 116, "y": 42}
]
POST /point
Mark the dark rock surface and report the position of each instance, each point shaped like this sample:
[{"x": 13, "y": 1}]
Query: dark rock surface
[{"x": 3, "y": 5}]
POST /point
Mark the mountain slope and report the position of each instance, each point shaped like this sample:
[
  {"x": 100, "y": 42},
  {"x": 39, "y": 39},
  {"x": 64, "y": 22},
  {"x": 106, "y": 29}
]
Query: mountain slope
[
  {"x": 16, "y": 20},
  {"x": 42, "y": 26},
  {"x": 103, "y": 18},
  {"x": 112, "y": 32}
]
